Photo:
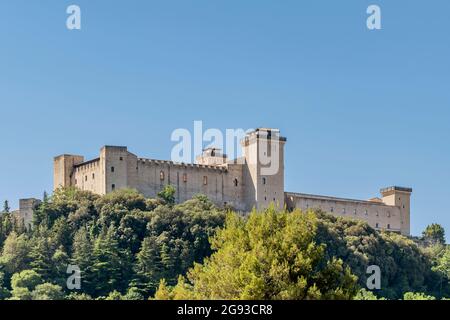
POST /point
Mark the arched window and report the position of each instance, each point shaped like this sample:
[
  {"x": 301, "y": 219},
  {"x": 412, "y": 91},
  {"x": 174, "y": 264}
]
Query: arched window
[
  {"x": 184, "y": 177},
  {"x": 205, "y": 180},
  {"x": 161, "y": 175}
]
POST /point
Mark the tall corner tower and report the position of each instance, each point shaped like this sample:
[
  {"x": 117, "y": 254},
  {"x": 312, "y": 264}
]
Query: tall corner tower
[
  {"x": 400, "y": 197},
  {"x": 263, "y": 150},
  {"x": 120, "y": 168},
  {"x": 63, "y": 170}
]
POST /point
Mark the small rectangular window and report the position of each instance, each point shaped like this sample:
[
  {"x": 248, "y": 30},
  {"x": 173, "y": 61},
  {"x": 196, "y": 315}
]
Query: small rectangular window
[
  {"x": 113, "y": 187},
  {"x": 205, "y": 180},
  {"x": 184, "y": 177},
  {"x": 93, "y": 176},
  {"x": 112, "y": 169},
  {"x": 85, "y": 178}
]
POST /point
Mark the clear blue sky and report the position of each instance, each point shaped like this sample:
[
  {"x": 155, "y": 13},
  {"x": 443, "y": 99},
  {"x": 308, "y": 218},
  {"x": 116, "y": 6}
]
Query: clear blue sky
[{"x": 361, "y": 109}]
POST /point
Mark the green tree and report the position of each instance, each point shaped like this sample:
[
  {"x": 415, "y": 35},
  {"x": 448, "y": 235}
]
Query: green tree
[
  {"x": 42, "y": 251},
  {"x": 45, "y": 197},
  {"x": 133, "y": 294},
  {"x": 434, "y": 233},
  {"x": 16, "y": 254},
  {"x": 148, "y": 266},
  {"x": 272, "y": 255},
  {"x": 109, "y": 263},
  {"x": 417, "y": 296},
  {"x": 60, "y": 260},
  {"x": 6, "y": 207},
  {"x": 21, "y": 294},
  {"x": 83, "y": 258},
  {"x": 61, "y": 234},
  {"x": 364, "y": 294},
  {"x": 404, "y": 265},
  {"x": 23, "y": 284},
  {"x": 78, "y": 296},
  {"x": 443, "y": 265},
  {"x": 47, "y": 291},
  {"x": 114, "y": 295},
  {"x": 167, "y": 194},
  {"x": 4, "y": 293}
]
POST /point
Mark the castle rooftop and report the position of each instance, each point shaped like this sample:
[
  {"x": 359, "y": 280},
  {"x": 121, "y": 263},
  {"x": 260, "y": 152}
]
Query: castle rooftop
[{"x": 396, "y": 188}]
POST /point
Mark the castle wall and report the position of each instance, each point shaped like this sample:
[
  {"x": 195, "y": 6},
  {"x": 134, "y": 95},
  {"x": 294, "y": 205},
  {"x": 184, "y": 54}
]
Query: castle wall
[
  {"x": 88, "y": 176},
  {"x": 377, "y": 215},
  {"x": 217, "y": 183}
]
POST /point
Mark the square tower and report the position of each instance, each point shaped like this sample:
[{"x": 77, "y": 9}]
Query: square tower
[
  {"x": 400, "y": 197},
  {"x": 263, "y": 150},
  {"x": 63, "y": 167},
  {"x": 120, "y": 168}
]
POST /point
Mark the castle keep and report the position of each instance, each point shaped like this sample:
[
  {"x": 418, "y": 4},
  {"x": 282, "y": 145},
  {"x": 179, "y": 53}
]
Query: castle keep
[{"x": 243, "y": 183}]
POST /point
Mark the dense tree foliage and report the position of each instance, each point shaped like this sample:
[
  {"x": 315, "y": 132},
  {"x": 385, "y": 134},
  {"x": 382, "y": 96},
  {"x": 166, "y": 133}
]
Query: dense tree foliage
[
  {"x": 270, "y": 255},
  {"x": 405, "y": 266},
  {"x": 123, "y": 243},
  {"x": 434, "y": 234},
  {"x": 126, "y": 246},
  {"x": 245, "y": 247}
]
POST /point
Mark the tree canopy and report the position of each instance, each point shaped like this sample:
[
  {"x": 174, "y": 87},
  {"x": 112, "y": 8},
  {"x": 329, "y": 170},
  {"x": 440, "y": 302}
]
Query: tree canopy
[{"x": 127, "y": 246}]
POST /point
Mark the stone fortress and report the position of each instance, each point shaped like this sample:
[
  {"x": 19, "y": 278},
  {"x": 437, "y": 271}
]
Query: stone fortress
[
  {"x": 239, "y": 183},
  {"x": 243, "y": 183}
]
